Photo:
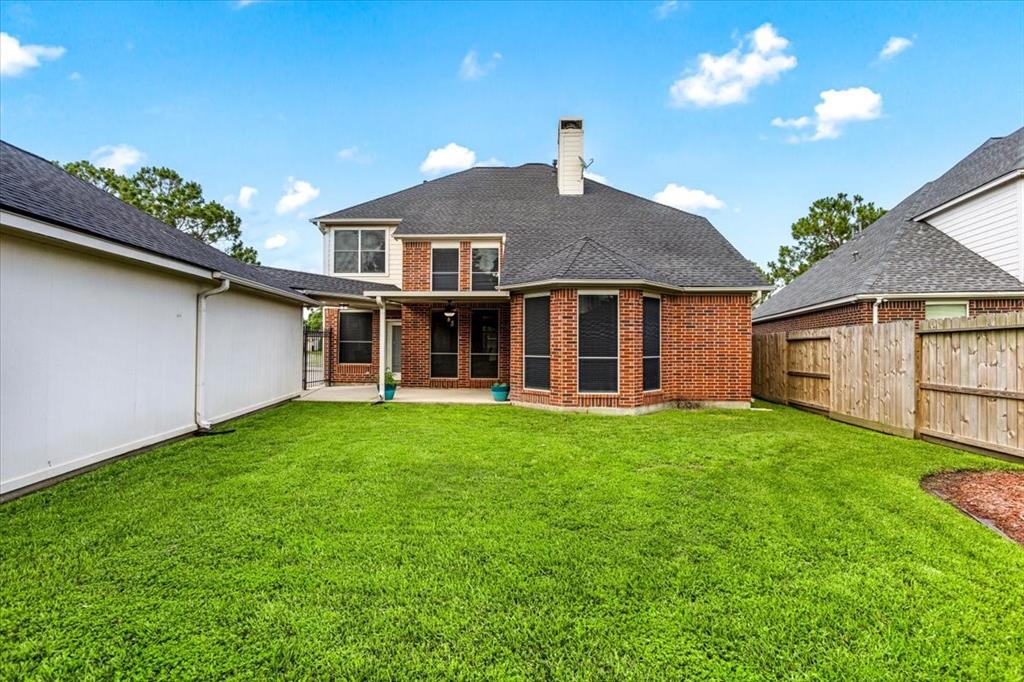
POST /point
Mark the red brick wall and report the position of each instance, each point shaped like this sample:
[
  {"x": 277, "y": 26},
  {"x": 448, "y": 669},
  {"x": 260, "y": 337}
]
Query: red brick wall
[
  {"x": 415, "y": 266},
  {"x": 416, "y": 345},
  {"x": 705, "y": 351},
  {"x": 465, "y": 266},
  {"x": 890, "y": 311},
  {"x": 350, "y": 373}
]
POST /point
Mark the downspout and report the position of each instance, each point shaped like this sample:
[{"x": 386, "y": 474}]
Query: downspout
[
  {"x": 200, "y": 382},
  {"x": 381, "y": 350},
  {"x": 874, "y": 309}
]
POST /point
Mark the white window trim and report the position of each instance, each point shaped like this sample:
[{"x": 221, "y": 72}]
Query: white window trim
[
  {"x": 964, "y": 302},
  {"x": 359, "y": 262},
  {"x": 388, "y": 359},
  {"x": 618, "y": 340},
  {"x": 661, "y": 345},
  {"x": 471, "y": 353},
  {"x": 351, "y": 312},
  {"x": 522, "y": 334},
  {"x": 497, "y": 272},
  {"x": 458, "y": 324},
  {"x": 458, "y": 266}
]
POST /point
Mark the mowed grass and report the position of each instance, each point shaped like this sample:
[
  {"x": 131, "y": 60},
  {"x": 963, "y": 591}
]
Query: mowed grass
[{"x": 402, "y": 541}]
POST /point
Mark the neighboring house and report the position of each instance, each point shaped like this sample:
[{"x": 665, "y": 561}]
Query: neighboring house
[
  {"x": 118, "y": 331},
  {"x": 579, "y": 295},
  {"x": 953, "y": 248}
]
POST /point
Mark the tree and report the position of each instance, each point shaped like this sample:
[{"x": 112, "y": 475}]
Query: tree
[
  {"x": 165, "y": 195},
  {"x": 829, "y": 222},
  {"x": 315, "y": 320}
]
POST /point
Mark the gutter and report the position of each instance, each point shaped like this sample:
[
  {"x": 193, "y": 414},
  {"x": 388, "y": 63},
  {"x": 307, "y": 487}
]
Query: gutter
[
  {"x": 834, "y": 303},
  {"x": 200, "y": 382}
]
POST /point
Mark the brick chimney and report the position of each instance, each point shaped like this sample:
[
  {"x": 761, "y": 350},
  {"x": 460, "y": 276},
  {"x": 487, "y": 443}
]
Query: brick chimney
[{"x": 570, "y": 156}]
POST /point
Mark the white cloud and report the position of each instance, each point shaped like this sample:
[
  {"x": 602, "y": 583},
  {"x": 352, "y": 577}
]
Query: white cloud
[
  {"x": 245, "y": 196},
  {"x": 595, "y": 176},
  {"x": 472, "y": 69},
  {"x": 729, "y": 78},
  {"x": 836, "y": 109},
  {"x": 894, "y": 46},
  {"x": 801, "y": 122},
  {"x": 666, "y": 8},
  {"x": 16, "y": 58},
  {"x": 355, "y": 154},
  {"x": 451, "y": 157},
  {"x": 686, "y": 199},
  {"x": 117, "y": 157},
  {"x": 348, "y": 153},
  {"x": 275, "y": 242},
  {"x": 493, "y": 162},
  {"x": 239, "y": 4},
  {"x": 297, "y": 193},
  {"x": 74, "y": 76}
]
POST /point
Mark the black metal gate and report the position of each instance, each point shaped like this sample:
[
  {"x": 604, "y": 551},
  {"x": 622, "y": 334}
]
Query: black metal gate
[{"x": 316, "y": 368}]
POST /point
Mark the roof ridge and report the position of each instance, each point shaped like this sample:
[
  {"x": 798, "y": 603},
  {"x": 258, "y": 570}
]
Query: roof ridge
[
  {"x": 621, "y": 259},
  {"x": 581, "y": 242}
]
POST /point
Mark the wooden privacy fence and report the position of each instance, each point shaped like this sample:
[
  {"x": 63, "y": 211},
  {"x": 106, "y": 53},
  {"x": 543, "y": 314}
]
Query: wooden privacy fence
[{"x": 959, "y": 381}]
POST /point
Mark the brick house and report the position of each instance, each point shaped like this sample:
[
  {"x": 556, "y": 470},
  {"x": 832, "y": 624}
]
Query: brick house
[
  {"x": 578, "y": 295},
  {"x": 953, "y": 248}
]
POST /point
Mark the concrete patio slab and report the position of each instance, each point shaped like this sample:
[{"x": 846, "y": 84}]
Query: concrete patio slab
[{"x": 367, "y": 393}]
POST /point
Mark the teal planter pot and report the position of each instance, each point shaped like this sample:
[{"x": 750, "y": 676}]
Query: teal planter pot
[
  {"x": 389, "y": 392},
  {"x": 499, "y": 393}
]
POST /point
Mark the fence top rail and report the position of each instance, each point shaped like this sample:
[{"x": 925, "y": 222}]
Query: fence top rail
[{"x": 951, "y": 325}]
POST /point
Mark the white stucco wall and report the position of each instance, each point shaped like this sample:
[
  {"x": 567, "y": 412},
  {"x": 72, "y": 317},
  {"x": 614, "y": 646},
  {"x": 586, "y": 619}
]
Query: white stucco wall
[
  {"x": 253, "y": 353},
  {"x": 96, "y": 359}
]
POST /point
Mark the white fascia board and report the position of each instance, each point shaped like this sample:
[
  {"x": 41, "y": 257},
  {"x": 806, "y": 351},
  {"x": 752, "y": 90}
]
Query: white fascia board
[
  {"x": 1003, "y": 179},
  {"x": 930, "y": 295},
  {"x": 633, "y": 284},
  {"x": 267, "y": 289},
  {"x": 451, "y": 237},
  {"x": 440, "y": 295},
  {"x": 327, "y": 223},
  {"x": 47, "y": 231}
]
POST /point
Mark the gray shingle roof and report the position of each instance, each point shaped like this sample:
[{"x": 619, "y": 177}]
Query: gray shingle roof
[
  {"x": 35, "y": 187},
  {"x": 323, "y": 284},
  {"x": 628, "y": 234},
  {"x": 898, "y": 255}
]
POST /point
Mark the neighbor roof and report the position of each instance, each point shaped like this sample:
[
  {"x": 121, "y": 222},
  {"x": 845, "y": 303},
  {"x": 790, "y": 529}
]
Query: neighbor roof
[
  {"x": 34, "y": 187},
  {"x": 549, "y": 235},
  {"x": 898, "y": 255},
  {"x": 312, "y": 283}
]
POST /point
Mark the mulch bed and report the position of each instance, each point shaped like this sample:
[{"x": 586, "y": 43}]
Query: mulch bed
[{"x": 995, "y": 498}]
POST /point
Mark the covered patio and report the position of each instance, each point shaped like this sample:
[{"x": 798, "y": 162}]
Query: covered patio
[{"x": 367, "y": 393}]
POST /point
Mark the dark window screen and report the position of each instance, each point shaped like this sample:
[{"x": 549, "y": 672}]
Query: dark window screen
[
  {"x": 537, "y": 342},
  {"x": 445, "y": 270},
  {"x": 652, "y": 344},
  {"x": 355, "y": 341},
  {"x": 599, "y": 343},
  {"x": 484, "y": 345},
  {"x": 444, "y": 345}
]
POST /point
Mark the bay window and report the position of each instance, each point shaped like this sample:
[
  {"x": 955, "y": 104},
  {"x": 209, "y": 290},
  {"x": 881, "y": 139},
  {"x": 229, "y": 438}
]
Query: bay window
[
  {"x": 598, "y": 343},
  {"x": 652, "y": 343},
  {"x": 537, "y": 342},
  {"x": 444, "y": 269},
  {"x": 360, "y": 251},
  {"x": 485, "y": 269},
  {"x": 444, "y": 346},
  {"x": 355, "y": 337},
  {"x": 483, "y": 362}
]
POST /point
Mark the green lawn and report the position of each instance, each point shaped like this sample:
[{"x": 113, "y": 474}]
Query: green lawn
[{"x": 327, "y": 540}]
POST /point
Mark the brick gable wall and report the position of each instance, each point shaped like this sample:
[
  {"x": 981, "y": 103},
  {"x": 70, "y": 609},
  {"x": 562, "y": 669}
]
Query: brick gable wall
[{"x": 705, "y": 351}]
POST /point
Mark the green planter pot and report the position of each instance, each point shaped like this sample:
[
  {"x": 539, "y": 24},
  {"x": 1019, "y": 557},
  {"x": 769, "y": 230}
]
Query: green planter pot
[
  {"x": 389, "y": 392},
  {"x": 499, "y": 394}
]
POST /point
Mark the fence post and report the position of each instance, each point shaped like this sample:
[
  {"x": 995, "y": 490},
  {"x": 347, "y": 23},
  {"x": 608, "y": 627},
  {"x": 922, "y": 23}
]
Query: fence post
[
  {"x": 917, "y": 382},
  {"x": 785, "y": 368}
]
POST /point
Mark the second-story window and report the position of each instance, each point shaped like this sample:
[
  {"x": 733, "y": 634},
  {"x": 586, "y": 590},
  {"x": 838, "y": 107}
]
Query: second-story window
[
  {"x": 444, "y": 269},
  {"x": 359, "y": 251},
  {"x": 485, "y": 269}
]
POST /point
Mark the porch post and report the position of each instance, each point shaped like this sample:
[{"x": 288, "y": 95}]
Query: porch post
[{"x": 381, "y": 350}]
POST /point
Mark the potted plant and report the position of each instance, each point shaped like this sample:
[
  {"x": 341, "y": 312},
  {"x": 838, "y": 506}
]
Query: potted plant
[
  {"x": 390, "y": 384},
  {"x": 499, "y": 391}
]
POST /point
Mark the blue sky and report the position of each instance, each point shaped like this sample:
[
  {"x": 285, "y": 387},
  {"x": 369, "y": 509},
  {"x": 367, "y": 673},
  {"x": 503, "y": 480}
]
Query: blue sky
[{"x": 320, "y": 106}]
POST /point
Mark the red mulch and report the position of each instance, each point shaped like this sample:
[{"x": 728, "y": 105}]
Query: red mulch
[{"x": 996, "y": 498}]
